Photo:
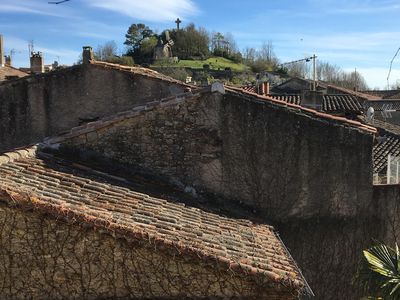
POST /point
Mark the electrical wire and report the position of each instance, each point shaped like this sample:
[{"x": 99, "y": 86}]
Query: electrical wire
[{"x": 390, "y": 68}]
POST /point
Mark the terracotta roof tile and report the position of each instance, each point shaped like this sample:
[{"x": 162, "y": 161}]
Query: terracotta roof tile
[
  {"x": 360, "y": 95},
  {"x": 250, "y": 88},
  {"x": 293, "y": 99},
  {"x": 387, "y": 127},
  {"x": 59, "y": 188},
  {"x": 10, "y": 71},
  {"x": 384, "y": 94},
  {"x": 140, "y": 70},
  {"x": 341, "y": 103},
  {"x": 390, "y": 144}
]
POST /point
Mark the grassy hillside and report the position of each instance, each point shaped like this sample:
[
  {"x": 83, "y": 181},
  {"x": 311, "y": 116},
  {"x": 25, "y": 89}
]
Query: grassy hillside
[{"x": 214, "y": 62}]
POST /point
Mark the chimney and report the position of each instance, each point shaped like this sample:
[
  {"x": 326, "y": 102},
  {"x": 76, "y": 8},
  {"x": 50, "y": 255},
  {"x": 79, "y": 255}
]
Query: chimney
[
  {"x": 87, "y": 55},
  {"x": 266, "y": 87},
  {"x": 37, "y": 63},
  {"x": 1, "y": 51},
  {"x": 261, "y": 89},
  {"x": 312, "y": 99},
  {"x": 8, "y": 60}
]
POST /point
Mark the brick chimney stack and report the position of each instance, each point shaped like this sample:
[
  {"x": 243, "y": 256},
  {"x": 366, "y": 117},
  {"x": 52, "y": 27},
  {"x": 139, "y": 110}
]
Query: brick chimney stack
[
  {"x": 266, "y": 88},
  {"x": 37, "y": 63},
  {"x": 87, "y": 54},
  {"x": 8, "y": 60},
  {"x": 2, "y": 63},
  {"x": 261, "y": 89}
]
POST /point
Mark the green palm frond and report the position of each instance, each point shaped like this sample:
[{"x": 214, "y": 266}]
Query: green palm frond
[{"x": 379, "y": 274}]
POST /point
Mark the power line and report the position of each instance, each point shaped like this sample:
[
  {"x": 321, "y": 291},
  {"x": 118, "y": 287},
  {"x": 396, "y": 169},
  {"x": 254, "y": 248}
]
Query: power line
[{"x": 390, "y": 68}]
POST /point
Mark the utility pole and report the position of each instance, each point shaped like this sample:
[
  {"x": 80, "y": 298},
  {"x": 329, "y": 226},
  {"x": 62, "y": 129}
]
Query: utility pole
[
  {"x": 355, "y": 80},
  {"x": 314, "y": 58},
  {"x": 307, "y": 59}
]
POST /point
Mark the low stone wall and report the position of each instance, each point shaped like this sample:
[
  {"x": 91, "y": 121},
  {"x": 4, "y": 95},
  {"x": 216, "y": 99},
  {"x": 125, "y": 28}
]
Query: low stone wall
[{"x": 43, "y": 105}]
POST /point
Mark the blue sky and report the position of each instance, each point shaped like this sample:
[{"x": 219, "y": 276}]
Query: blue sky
[{"x": 362, "y": 34}]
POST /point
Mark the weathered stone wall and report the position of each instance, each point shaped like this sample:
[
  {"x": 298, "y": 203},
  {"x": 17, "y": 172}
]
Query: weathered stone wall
[
  {"x": 43, "y": 105},
  {"x": 328, "y": 251},
  {"x": 387, "y": 210},
  {"x": 292, "y": 165},
  {"x": 283, "y": 163},
  {"x": 42, "y": 258},
  {"x": 311, "y": 178},
  {"x": 180, "y": 141}
]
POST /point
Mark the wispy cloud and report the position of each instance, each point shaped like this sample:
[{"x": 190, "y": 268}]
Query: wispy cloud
[
  {"x": 356, "y": 6},
  {"x": 150, "y": 10},
  {"x": 29, "y": 7},
  {"x": 353, "y": 40}
]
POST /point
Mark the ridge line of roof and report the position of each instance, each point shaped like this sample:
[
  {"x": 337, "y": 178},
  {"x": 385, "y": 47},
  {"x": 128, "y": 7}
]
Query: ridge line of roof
[
  {"x": 353, "y": 124},
  {"x": 135, "y": 111},
  {"x": 355, "y": 93},
  {"x": 19, "y": 153},
  {"x": 147, "y": 72}
]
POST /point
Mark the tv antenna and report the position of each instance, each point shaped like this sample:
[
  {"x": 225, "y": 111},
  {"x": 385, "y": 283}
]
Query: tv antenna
[
  {"x": 387, "y": 109},
  {"x": 307, "y": 59},
  {"x": 30, "y": 47}
]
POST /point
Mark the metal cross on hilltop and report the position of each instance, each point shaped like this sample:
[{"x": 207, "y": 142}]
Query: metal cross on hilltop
[{"x": 178, "y": 21}]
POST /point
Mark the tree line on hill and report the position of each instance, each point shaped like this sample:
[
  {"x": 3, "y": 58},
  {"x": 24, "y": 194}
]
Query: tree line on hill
[{"x": 196, "y": 43}]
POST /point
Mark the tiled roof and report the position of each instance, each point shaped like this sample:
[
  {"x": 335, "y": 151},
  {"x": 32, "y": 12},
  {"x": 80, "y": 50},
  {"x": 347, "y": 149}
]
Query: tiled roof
[
  {"x": 10, "y": 71},
  {"x": 297, "y": 84},
  {"x": 341, "y": 103},
  {"x": 380, "y": 105},
  {"x": 305, "y": 110},
  {"x": 386, "y": 127},
  {"x": 250, "y": 88},
  {"x": 139, "y": 70},
  {"x": 293, "y": 99},
  {"x": 332, "y": 103},
  {"x": 360, "y": 95},
  {"x": 384, "y": 94},
  {"x": 390, "y": 144},
  {"x": 76, "y": 193}
]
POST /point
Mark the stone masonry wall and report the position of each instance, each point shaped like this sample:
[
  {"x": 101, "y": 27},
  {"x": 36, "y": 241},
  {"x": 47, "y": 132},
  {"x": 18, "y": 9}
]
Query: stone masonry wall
[
  {"x": 387, "y": 210},
  {"x": 42, "y": 258},
  {"x": 312, "y": 179},
  {"x": 178, "y": 139},
  {"x": 282, "y": 163},
  {"x": 44, "y": 105},
  {"x": 290, "y": 164}
]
